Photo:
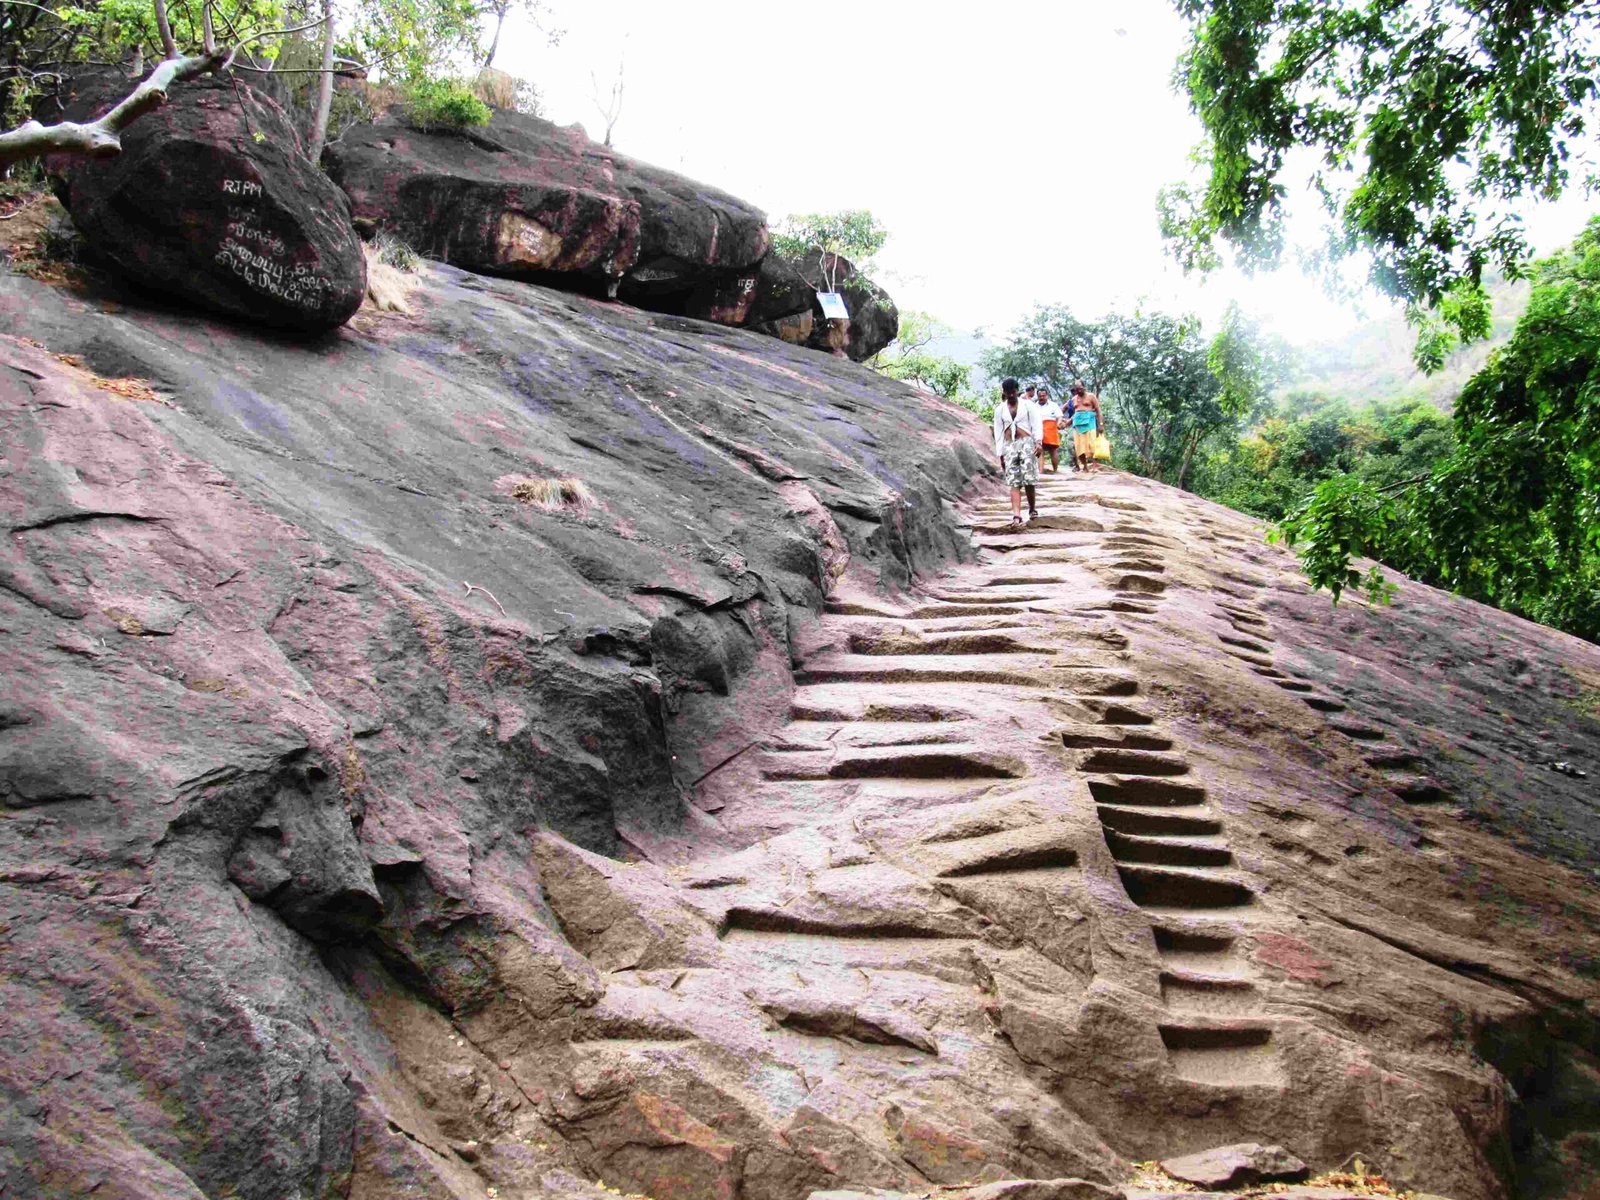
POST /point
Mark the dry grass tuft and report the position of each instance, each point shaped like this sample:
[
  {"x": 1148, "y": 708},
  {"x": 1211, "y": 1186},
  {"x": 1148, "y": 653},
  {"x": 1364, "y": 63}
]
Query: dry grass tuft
[
  {"x": 388, "y": 288},
  {"x": 555, "y": 495}
]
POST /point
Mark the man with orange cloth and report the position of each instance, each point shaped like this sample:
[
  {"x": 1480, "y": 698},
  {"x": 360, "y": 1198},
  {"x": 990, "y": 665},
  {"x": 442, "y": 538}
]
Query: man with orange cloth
[{"x": 1050, "y": 418}]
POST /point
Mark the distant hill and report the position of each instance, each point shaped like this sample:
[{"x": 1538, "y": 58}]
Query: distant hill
[
  {"x": 965, "y": 348},
  {"x": 1373, "y": 361}
]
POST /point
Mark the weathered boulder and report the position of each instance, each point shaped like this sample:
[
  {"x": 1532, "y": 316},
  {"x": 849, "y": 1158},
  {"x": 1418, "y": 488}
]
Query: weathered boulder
[
  {"x": 212, "y": 201},
  {"x": 1235, "y": 1166},
  {"x": 533, "y": 200},
  {"x": 783, "y": 302},
  {"x": 874, "y": 319}
]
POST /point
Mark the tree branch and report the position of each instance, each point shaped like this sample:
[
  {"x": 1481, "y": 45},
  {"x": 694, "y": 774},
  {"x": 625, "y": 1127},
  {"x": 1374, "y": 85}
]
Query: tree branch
[
  {"x": 169, "y": 48},
  {"x": 1404, "y": 483},
  {"x": 102, "y": 138}
]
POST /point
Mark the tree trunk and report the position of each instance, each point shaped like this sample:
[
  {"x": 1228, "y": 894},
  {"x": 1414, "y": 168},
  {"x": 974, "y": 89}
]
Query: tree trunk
[
  {"x": 319, "y": 125},
  {"x": 494, "y": 43},
  {"x": 1188, "y": 457}
]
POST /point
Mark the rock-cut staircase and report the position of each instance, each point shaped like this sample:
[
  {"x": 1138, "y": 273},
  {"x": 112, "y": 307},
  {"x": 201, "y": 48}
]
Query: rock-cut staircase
[{"x": 1009, "y": 678}]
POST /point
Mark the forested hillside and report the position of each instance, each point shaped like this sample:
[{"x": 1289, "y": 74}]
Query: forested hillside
[{"x": 1376, "y": 360}]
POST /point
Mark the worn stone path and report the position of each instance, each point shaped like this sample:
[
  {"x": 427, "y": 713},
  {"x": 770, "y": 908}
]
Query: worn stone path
[
  {"x": 947, "y": 703},
  {"x": 1063, "y": 860}
]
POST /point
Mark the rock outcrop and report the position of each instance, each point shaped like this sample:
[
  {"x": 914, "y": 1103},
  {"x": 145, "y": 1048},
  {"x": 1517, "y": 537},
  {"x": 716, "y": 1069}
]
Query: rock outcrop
[
  {"x": 316, "y": 771},
  {"x": 785, "y": 304},
  {"x": 528, "y": 199},
  {"x": 423, "y": 770},
  {"x": 874, "y": 319},
  {"x": 1236, "y": 1166},
  {"x": 213, "y": 202}
]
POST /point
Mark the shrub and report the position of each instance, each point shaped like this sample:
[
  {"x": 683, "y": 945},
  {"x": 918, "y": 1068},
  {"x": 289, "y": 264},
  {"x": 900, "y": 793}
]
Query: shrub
[{"x": 446, "y": 104}]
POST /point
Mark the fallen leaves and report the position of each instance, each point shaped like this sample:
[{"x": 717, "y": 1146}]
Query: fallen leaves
[{"x": 127, "y": 388}]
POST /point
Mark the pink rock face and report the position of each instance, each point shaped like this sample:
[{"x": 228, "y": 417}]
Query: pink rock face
[{"x": 785, "y": 823}]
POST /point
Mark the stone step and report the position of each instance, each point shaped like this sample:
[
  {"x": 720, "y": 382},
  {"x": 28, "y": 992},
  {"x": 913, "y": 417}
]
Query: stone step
[
  {"x": 1145, "y": 792},
  {"x": 1170, "y": 887},
  {"x": 1132, "y": 762},
  {"x": 1224, "y": 1054},
  {"x": 1082, "y": 737},
  {"x": 1169, "y": 851}
]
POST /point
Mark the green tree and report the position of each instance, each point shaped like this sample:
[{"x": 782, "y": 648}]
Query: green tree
[
  {"x": 908, "y": 358},
  {"x": 1053, "y": 345},
  {"x": 1167, "y": 390},
  {"x": 1301, "y": 440},
  {"x": 1427, "y": 122},
  {"x": 1512, "y": 515},
  {"x": 415, "y": 42},
  {"x": 853, "y": 233}
]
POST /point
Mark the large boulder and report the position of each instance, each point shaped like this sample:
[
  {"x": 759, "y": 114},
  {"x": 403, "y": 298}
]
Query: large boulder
[
  {"x": 783, "y": 302},
  {"x": 533, "y": 200},
  {"x": 874, "y": 319},
  {"x": 213, "y": 201}
]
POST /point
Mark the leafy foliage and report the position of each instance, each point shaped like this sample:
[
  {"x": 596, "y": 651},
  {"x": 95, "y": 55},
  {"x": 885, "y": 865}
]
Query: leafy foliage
[
  {"x": 1512, "y": 515},
  {"x": 1427, "y": 120},
  {"x": 852, "y": 233},
  {"x": 1299, "y": 442},
  {"x": 419, "y": 45},
  {"x": 446, "y": 104},
  {"x": 415, "y": 41},
  {"x": 908, "y": 358}
]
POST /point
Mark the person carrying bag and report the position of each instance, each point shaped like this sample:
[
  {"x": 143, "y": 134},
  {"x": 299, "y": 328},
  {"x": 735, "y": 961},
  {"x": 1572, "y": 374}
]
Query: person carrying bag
[{"x": 1085, "y": 426}]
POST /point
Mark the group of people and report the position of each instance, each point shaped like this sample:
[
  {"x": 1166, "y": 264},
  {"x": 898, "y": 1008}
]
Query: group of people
[{"x": 1028, "y": 426}]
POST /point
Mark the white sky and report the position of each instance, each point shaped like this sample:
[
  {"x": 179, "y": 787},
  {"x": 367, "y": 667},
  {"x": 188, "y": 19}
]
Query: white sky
[{"x": 1013, "y": 150}]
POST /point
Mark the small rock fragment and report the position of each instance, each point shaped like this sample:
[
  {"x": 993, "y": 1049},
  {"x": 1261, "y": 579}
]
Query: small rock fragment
[{"x": 1235, "y": 1166}]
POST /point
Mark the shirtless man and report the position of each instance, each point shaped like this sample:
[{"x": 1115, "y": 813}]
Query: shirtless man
[{"x": 1085, "y": 424}]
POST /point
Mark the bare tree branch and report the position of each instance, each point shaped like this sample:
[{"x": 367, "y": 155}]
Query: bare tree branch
[
  {"x": 610, "y": 108},
  {"x": 169, "y": 48},
  {"x": 103, "y": 138},
  {"x": 284, "y": 32},
  {"x": 319, "y": 124},
  {"x": 347, "y": 66}
]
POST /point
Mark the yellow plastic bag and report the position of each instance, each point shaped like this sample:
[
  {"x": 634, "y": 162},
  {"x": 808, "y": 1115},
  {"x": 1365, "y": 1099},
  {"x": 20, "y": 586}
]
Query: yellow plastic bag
[{"x": 1102, "y": 448}]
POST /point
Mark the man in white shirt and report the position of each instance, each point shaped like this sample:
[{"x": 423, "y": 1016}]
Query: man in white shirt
[{"x": 1018, "y": 432}]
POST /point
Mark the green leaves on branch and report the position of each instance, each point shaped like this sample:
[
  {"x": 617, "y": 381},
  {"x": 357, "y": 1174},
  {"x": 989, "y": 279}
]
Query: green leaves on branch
[
  {"x": 1427, "y": 122},
  {"x": 447, "y": 104},
  {"x": 1512, "y": 516},
  {"x": 853, "y": 233},
  {"x": 414, "y": 41},
  {"x": 1344, "y": 518},
  {"x": 908, "y": 358}
]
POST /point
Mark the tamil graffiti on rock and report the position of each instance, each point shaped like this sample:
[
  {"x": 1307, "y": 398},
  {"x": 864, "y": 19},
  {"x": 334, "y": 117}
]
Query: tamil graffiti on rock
[{"x": 260, "y": 257}]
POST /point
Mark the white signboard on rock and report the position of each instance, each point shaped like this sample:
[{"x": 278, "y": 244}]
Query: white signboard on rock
[{"x": 833, "y": 306}]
